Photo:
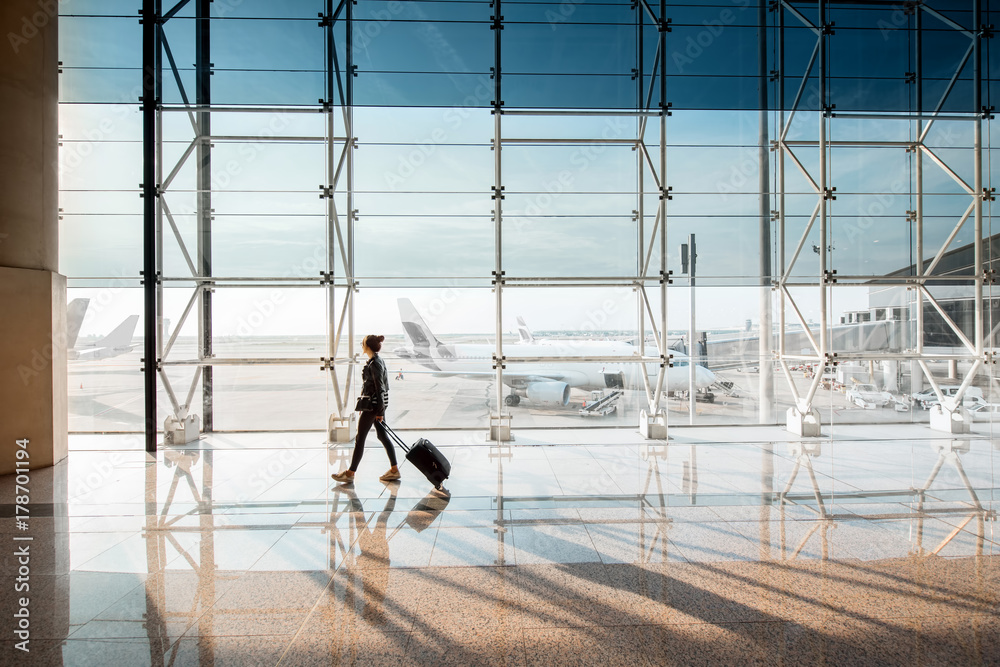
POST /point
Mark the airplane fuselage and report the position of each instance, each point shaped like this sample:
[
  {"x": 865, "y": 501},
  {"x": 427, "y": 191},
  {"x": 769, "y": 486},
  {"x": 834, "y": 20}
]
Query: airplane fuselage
[
  {"x": 548, "y": 368},
  {"x": 555, "y": 362}
]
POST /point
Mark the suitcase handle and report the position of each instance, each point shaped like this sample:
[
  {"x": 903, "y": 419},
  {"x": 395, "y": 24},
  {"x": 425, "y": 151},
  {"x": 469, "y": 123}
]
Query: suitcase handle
[{"x": 395, "y": 438}]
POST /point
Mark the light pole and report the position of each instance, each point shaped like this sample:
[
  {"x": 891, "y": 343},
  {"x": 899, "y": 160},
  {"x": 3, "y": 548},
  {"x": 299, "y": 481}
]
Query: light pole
[{"x": 689, "y": 256}]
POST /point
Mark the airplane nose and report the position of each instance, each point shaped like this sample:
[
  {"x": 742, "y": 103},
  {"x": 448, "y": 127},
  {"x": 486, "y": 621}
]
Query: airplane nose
[{"x": 705, "y": 376}]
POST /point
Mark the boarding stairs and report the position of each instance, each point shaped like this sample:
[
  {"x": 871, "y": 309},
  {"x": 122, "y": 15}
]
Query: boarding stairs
[
  {"x": 727, "y": 387},
  {"x": 601, "y": 404}
]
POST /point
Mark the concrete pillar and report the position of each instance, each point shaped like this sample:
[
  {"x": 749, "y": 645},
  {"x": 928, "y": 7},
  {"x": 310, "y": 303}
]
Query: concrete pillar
[{"x": 33, "y": 384}]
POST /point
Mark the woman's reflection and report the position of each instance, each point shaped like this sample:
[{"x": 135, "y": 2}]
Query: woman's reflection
[{"x": 372, "y": 562}]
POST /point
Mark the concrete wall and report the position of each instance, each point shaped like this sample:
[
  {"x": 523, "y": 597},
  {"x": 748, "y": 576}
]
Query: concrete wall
[
  {"x": 33, "y": 402},
  {"x": 33, "y": 379}
]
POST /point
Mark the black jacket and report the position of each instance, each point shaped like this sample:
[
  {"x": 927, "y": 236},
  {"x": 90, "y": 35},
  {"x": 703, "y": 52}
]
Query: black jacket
[{"x": 375, "y": 383}]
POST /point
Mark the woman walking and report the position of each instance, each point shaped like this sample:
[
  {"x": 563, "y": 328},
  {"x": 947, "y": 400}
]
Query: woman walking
[{"x": 372, "y": 404}]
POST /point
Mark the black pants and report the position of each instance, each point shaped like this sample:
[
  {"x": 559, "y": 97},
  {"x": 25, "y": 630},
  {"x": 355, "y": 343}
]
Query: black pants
[{"x": 365, "y": 421}]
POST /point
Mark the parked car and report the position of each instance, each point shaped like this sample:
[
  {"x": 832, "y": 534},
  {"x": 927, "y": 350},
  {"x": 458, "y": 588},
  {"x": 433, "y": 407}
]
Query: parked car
[
  {"x": 973, "y": 396},
  {"x": 865, "y": 395},
  {"x": 986, "y": 412}
]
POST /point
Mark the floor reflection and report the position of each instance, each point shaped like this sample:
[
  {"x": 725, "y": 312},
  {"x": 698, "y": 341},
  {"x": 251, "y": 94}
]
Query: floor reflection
[{"x": 696, "y": 550}]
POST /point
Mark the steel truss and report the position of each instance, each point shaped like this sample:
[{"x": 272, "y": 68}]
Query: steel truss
[
  {"x": 821, "y": 183},
  {"x": 340, "y": 225},
  {"x": 948, "y": 451},
  {"x": 650, "y": 282},
  {"x": 340, "y": 177}
]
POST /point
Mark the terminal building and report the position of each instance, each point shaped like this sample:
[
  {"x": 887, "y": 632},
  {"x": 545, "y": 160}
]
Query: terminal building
[{"x": 698, "y": 299}]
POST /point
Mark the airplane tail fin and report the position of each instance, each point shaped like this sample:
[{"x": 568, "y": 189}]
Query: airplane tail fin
[
  {"x": 122, "y": 334},
  {"x": 523, "y": 332},
  {"x": 417, "y": 331},
  {"x": 75, "y": 312}
]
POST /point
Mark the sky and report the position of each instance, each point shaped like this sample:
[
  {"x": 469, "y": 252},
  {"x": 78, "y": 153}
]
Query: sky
[{"x": 423, "y": 174}]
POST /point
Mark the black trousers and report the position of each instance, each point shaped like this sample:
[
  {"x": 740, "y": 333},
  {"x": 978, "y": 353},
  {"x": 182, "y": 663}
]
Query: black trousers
[{"x": 365, "y": 421}]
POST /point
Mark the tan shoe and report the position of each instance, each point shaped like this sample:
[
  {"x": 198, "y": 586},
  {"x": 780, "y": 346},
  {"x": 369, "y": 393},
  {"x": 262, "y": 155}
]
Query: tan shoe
[
  {"x": 390, "y": 476},
  {"x": 344, "y": 477}
]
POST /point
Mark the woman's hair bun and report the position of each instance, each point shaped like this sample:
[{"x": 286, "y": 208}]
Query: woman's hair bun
[{"x": 373, "y": 342}]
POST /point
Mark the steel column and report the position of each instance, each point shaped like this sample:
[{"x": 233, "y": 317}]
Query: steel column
[
  {"x": 498, "y": 271},
  {"x": 977, "y": 149},
  {"x": 203, "y": 98},
  {"x": 781, "y": 187},
  {"x": 664, "y": 275},
  {"x": 692, "y": 329},
  {"x": 918, "y": 263},
  {"x": 349, "y": 166},
  {"x": 824, "y": 202},
  {"x": 766, "y": 365},
  {"x": 150, "y": 86}
]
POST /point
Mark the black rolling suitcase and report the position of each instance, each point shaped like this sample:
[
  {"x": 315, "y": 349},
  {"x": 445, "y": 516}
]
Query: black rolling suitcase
[{"x": 425, "y": 457}]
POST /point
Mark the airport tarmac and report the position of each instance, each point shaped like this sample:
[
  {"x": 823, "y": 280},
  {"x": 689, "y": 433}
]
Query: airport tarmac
[{"x": 106, "y": 396}]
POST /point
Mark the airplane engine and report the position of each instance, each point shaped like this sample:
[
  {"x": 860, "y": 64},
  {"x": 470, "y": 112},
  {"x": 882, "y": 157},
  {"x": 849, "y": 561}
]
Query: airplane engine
[{"x": 551, "y": 393}]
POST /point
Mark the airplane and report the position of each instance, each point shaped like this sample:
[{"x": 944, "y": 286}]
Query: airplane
[
  {"x": 547, "y": 383},
  {"x": 523, "y": 332},
  {"x": 75, "y": 312},
  {"x": 116, "y": 343}
]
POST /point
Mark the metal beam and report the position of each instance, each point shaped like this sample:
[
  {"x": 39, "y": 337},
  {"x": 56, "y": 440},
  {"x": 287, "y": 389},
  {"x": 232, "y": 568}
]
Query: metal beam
[
  {"x": 173, "y": 12},
  {"x": 802, "y": 88},
  {"x": 797, "y": 14},
  {"x": 950, "y": 322},
  {"x": 948, "y": 88},
  {"x": 926, "y": 272},
  {"x": 150, "y": 79},
  {"x": 766, "y": 380},
  {"x": 203, "y": 98},
  {"x": 944, "y": 19}
]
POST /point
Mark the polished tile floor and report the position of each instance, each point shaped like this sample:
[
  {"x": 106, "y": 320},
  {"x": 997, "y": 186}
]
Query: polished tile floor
[{"x": 722, "y": 546}]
